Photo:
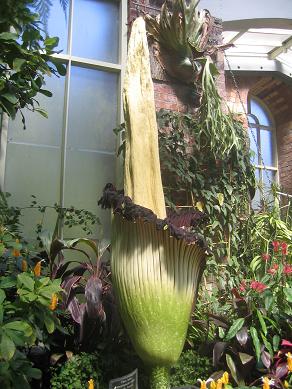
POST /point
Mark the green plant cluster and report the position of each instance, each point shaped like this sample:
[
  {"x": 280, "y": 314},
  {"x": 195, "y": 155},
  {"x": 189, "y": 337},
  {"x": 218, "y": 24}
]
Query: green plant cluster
[
  {"x": 218, "y": 187},
  {"x": 26, "y": 58},
  {"x": 77, "y": 371},
  {"x": 190, "y": 367},
  {"x": 26, "y": 316}
]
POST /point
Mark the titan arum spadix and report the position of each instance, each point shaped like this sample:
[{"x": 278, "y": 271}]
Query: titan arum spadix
[{"x": 156, "y": 264}]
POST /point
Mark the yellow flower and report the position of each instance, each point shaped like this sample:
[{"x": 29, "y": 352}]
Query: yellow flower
[
  {"x": 213, "y": 385},
  {"x": 54, "y": 302},
  {"x": 200, "y": 206},
  {"x": 289, "y": 361},
  {"x": 23, "y": 265},
  {"x": 266, "y": 383},
  {"x": 37, "y": 269},
  {"x": 286, "y": 384},
  {"x": 91, "y": 384},
  {"x": 225, "y": 378},
  {"x": 219, "y": 384},
  {"x": 203, "y": 385}
]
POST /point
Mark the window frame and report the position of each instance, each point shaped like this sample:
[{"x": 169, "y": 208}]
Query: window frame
[{"x": 259, "y": 164}]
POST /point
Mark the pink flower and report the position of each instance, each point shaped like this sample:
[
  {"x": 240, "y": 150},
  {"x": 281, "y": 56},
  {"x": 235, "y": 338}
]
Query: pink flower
[
  {"x": 272, "y": 270},
  {"x": 258, "y": 286},
  {"x": 242, "y": 286},
  {"x": 284, "y": 248},
  {"x": 265, "y": 257},
  {"x": 287, "y": 269},
  {"x": 276, "y": 246}
]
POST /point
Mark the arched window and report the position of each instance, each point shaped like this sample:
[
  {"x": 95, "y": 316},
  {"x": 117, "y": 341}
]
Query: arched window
[{"x": 263, "y": 144}]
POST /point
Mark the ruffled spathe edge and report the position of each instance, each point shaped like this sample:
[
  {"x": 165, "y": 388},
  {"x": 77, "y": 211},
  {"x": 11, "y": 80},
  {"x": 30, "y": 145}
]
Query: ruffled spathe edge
[{"x": 178, "y": 225}]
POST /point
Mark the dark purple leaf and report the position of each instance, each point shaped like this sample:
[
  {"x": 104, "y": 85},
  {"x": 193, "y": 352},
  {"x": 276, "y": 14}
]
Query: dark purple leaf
[
  {"x": 233, "y": 370},
  {"x": 56, "y": 246},
  {"x": 219, "y": 320},
  {"x": 76, "y": 271},
  {"x": 68, "y": 283},
  {"x": 242, "y": 336},
  {"x": 74, "y": 307},
  {"x": 281, "y": 370},
  {"x": 93, "y": 296},
  {"x": 266, "y": 359},
  {"x": 218, "y": 351}
]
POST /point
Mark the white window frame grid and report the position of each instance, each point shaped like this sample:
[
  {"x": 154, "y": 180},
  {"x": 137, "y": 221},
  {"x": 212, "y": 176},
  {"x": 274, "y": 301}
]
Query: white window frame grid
[
  {"x": 259, "y": 165},
  {"x": 70, "y": 60}
]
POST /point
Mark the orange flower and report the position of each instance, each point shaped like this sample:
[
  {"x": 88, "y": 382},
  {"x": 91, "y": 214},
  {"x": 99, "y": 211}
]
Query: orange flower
[
  {"x": 91, "y": 384},
  {"x": 54, "y": 302},
  {"x": 23, "y": 265},
  {"x": 289, "y": 361},
  {"x": 16, "y": 252},
  {"x": 266, "y": 383},
  {"x": 203, "y": 385},
  {"x": 37, "y": 269},
  {"x": 213, "y": 385},
  {"x": 219, "y": 384}
]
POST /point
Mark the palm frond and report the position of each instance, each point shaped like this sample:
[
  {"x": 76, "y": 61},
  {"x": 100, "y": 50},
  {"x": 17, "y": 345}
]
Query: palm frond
[{"x": 43, "y": 8}]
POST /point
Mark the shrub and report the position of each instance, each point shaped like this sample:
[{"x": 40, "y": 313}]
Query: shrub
[
  {"x": 189, "y": 368},
  {"x": 76, "y": 373}
]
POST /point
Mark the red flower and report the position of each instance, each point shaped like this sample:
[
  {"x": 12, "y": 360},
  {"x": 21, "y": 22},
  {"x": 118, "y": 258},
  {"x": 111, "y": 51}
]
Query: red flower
[
  {"x": 258, "y": 286},
  {"x": 287, "y": 269},
  {"x": 265, "y": 257},
  {"x": 284, "y": 248},
  {"x": 272, "y": 270},
  {"x": 276, "y": 246}
]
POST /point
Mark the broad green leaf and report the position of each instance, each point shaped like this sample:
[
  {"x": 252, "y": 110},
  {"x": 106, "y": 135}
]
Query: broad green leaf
[
  {"x": 17, "y": 63},
  {"x": 233, "y": 370},
  {"x": 24, "y": 279},
  {"x": 2, "y": 296},
  {"x": 256, "y": 341},
  {"x": 42, "y": 112},
  {"x": 262, "y": 322},
  {"x": 255, "y": 263},
  {"x": 10, "y": 97},
  {"x": 1, "y": 314},
  {"x": 61, "y": 68},
  {"x": 245, "y": 358},
  {"x": 46, "y": 92},
  {"x": 2, "y": 249},
  {"x": 51, "y": 41},
  {"x": 8, "y": 36},
  {"x": 7, "y": 347},
  {"x": 34, "y": 373},
  {"x": 8, "y": 282},
  {"x": 236, "y": 326},
  {"x": 220, "y": 198},
  {"x": 18, "y": 325},
  {"x": 276, "y": 342},
  {"x": 267, "y": 345},
  {"x": 49, "y": 323},
  {"x": 288, "y": 293}
]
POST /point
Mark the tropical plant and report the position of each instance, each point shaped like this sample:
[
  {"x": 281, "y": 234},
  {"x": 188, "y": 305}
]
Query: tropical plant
[
  {"x": 43, "y": 8},
  {"x": 27, "y": 312},
  {"x": 26, "y": 58},
  {"x": 156, "y": 265}
]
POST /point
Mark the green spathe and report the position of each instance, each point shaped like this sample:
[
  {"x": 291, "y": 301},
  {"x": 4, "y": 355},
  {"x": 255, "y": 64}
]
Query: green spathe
[{"x": 156, "y": 277}]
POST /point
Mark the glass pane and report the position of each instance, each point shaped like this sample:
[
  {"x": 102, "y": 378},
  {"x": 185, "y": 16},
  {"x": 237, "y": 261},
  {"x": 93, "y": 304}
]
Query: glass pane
[
  {"x": 39, "y": 130},
  {"x": 252, "y": 132},
  {"x": 33, "y": 170},
  {"x": 257, "y": 110},
  {"x": 267, "y": 147},
  {"x": 257, "y": 198},
  {"x": 92, "y": 109},
  {"x": 58, "y": 24},
  {"x": 251, "y": 119},
  {"x": 268, "y": 177},
  {"x": 86, "y": 175},
  {"x": 96, "y": 30}
]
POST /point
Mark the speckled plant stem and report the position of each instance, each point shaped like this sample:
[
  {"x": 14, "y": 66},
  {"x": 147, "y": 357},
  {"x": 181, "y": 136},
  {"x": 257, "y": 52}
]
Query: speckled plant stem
[{"x": 159, "y": 378}]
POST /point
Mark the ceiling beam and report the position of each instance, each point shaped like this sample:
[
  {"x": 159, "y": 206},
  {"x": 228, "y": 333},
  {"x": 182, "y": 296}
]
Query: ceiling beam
[{"x": 281, "y": 49}]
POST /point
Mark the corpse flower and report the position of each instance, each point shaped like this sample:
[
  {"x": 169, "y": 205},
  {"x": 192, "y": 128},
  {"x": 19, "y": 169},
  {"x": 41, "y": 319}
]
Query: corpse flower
[{"x": 156, "y": 261}]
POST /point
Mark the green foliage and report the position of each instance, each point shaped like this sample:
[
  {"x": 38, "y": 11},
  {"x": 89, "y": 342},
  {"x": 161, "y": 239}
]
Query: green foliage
[
  {"x": 76, "y": 372},
  {"x": 26, "y": 58},
  {"x": 26, "y": 315},
  {"x": 9, "y": 216},
  {"x": 218, "y": 187},
  {"x": 189, "y": 368}
]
